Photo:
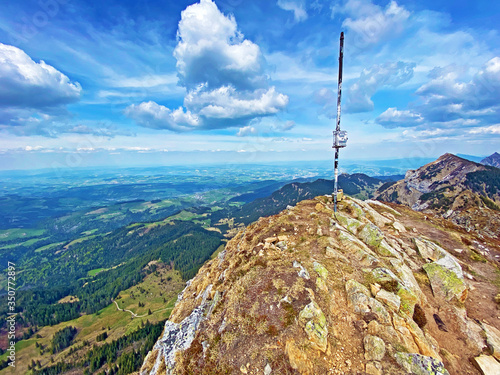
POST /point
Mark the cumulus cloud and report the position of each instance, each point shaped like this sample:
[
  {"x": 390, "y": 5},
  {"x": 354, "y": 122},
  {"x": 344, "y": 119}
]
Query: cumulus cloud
[
  {"x": 246, "y": 131},
  {"x": 393, "y": 118},
  {"x": 448, "y": 100},
  {"x": 369, "y": 24},
  {"x": 26, "y": 84},
  {"x": 297, "y": 7},
  {"x": 370, "y": 80},
  {"x": 490, "y": 130},
  {"x": 359, "y": 93},
  {"x": 155, "y": 116},
  {"x": 223, "y": 74}
]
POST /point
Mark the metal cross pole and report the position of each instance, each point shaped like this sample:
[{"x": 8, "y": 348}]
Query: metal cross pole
[{"x": 339, "y": 137}]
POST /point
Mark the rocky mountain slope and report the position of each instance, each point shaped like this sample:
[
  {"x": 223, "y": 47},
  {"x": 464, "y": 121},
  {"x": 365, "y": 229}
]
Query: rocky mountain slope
[
  {"x": 467, "y": 193},
  {"x": 374, "y": 289},
  {"x": 493, "y": 160}
]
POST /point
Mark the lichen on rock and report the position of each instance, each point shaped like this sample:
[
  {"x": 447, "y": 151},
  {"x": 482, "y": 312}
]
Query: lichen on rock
[
  {"x": 315, "y": 325},
  {"x": 420, "y": 365}
]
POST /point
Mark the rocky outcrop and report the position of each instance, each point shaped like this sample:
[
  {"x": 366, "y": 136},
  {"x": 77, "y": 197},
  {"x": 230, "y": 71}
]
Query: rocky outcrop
[{"x": 310, "y": 292}]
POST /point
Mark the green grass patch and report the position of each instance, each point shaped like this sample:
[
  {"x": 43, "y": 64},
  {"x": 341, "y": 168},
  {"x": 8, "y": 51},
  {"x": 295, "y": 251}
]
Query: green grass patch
[
  {"x": 49, "y": 246},
  {"x": 79, "y": 240},
  {"x": 19, "y": 233},
  {"x": 25, "y": 243},
  {"x": 89, "y": 232},
  {"x": 94, "y": 272}
]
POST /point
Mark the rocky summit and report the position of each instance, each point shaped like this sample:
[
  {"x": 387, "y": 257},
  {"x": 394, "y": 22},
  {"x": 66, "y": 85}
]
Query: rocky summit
[
  {"x": 462, "y": 191},
  {"x": 374, "y": 289},
  {"x": 493, "y": 160}
]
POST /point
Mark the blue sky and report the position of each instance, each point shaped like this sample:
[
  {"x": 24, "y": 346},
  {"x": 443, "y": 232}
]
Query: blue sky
[{"x": 120, "y": 82}]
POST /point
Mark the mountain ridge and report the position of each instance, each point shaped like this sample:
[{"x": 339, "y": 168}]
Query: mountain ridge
[
  {"x": 466, "y": 192},
  {"x": 362, "y": 291},
  {"x": 493, "y": 160}
]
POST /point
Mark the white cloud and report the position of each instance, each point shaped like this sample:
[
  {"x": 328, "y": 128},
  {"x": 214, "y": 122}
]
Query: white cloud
[
  {"x": 222, "y": 72},
  {"x": 155, "y": 116},
  {"x": 360, "y": 91},
  {"x": 297, "y": 7},
  {"x": 369, "y": 23},
  {"x": 393, "y": 118},
  {"x": 492, "y": 129},
  {"x": 289, "y": 125},
  {"x": 246, "y": 131},
  {"x": 25, "y": 84},
  {"x": 449, "y": 100},
  {"x": 391, "y": 74},
  {"x": 226, "y": 103}
]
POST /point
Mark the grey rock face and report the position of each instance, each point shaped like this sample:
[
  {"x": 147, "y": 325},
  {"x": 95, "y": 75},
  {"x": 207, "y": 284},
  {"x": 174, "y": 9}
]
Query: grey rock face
[{"x": 176, "y": 337}]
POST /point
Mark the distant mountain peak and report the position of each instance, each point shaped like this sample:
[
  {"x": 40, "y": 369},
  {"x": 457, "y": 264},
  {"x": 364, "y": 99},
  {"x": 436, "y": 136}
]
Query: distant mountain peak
[
  {"x": 452, "y": 157},
  {"x": 455, "y": 188},
  {"x": 493, "y": 160}
]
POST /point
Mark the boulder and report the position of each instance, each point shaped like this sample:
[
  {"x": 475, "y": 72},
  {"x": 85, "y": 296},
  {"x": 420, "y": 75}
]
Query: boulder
[
  {"x": 323, "y": 276},
  {"x": 487, "y": 365},
  {"x": 352, "y": 225},
  {"x": 386, "y": 250},
  {"x": 398, "y": 226},
  {"x": 445, "y": 282},
  {"x": 358, "y": 295},
  {"x": 404, "y": 334},
  {"x": 321, "y": 270},
  {"x": 352, "y": 286},
  {"x": 178, "y": 337},
  {"x": 360, "y": 302},
  {"x": 420, "y": 365},
  {"x": 425, "y": 347},
  {"x": 351, "y": 243},
  {"x": 379, "y": 310},
  {"x": 390, "y": 299},
  {"x": 375, "y": 217},
  {"x": 374, "y": 368},
  {"x": 383, "y": 275},
  {"x": 357, "y": 210},
  {"x": 374, "y": 348},
  {"x": 315, "y": 326},
  {"x": 371, "y": 235},
  {"x": 492, "y": 339},
  {"x": 335, "y": 254},
  {"x": 406, "y": 277}
]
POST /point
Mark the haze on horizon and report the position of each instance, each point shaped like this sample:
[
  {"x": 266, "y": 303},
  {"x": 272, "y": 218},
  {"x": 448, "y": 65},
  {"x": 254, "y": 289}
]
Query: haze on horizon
[{"x": 145, "y": 82}]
